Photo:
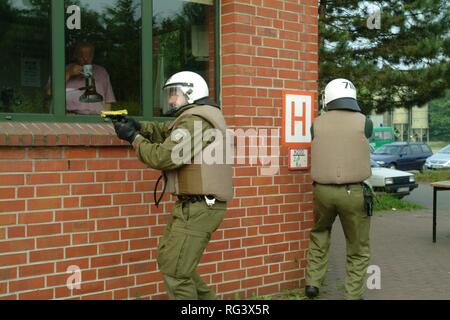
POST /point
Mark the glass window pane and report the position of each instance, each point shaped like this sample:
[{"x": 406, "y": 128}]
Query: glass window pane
[
  {"x": 183, "y": 40},
  {"x": 416, "y": 149},
  {"x": 407, "y": 150},
  {"x": 25, "y": 55},
  {"x": 103, "y": 56}
]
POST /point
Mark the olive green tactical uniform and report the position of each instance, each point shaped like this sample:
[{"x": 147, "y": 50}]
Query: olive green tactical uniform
[
  {"x": 347, "y": 202},
  {"x": 340, "y": 163},
  {"x": 192, "y": 223},
  {"x": 182, "y": 246}
]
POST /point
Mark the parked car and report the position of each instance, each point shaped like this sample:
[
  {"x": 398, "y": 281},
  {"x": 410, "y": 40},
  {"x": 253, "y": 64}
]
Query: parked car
[
  {"x": 390, "y": 181},
  {"x": 440, "y": 160},
  {"x": 402, "y": 155}
]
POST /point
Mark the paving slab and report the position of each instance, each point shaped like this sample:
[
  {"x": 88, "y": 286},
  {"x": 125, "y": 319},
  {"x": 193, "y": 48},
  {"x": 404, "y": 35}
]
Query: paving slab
[{"x": 411, "y": 265}]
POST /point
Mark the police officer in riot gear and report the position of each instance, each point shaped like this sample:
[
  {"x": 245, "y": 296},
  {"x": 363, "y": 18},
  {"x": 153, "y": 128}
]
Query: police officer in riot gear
[
  {"x": 203, "y": 189},
  {"x": 340, "y": 162}
]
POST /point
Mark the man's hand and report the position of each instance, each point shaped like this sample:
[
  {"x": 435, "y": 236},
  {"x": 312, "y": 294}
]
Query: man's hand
[
  {"x": 73, "y": 70},
  {"x": 127, "y": 129}
]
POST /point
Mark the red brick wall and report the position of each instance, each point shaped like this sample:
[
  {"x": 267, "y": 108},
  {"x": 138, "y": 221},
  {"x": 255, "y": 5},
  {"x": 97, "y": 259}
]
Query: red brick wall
[
  {"x": 81, "y": 206},
  {"x": 75, "y": 195},
  {"x": 211, "y": 77},
  {"x": 267, "y": 46}
]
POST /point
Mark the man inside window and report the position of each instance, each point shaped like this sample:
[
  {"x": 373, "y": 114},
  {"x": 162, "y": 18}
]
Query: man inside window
[{"x": 83, "y": 57}]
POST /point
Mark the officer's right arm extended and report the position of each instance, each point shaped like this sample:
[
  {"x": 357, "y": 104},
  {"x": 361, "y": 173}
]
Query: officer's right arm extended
[
  {"x": 156, "y": 132},
  {"x": 159, "y": 155}
]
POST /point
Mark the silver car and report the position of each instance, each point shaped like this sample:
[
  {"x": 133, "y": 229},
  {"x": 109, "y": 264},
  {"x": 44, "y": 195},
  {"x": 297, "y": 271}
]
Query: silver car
[{"x": 439, "y": 160}]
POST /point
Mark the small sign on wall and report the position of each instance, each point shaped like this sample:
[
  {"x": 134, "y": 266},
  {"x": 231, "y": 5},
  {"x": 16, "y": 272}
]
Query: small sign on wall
[
  {"x": 298, "y": 159},
  {"x": 298, "y": 116}
]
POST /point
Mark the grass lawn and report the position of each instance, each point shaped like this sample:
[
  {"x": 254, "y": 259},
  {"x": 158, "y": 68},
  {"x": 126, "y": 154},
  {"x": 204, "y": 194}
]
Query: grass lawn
[
  {"x": 384, "y": 203},
  {"x": 433, "y": 175},
  {"x": 437, "y": 145}
]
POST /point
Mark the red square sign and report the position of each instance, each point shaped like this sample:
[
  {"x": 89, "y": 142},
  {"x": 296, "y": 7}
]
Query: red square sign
[{"x": 298, "y": 116}]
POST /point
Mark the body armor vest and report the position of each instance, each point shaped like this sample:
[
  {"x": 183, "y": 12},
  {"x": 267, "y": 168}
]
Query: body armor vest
[
  {"x": 340, "y": 149},
  {"x": 202, "y": 178}
]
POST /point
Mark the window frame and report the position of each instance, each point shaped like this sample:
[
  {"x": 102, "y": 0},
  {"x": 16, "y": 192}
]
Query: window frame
[{"x": 58, "y": 102}]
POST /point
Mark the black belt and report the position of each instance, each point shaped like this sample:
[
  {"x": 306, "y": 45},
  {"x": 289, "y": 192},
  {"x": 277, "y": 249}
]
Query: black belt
[{"x": 191, "y": 198}]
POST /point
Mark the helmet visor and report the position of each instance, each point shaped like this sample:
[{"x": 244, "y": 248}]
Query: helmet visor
[{"x": 173, "y": 99}]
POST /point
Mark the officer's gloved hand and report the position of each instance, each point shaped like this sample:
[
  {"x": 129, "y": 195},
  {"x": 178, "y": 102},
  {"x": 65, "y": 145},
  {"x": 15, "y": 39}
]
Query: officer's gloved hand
[
  {"x": 127, "y": 129},
  {"x": 136, "y": 123}
]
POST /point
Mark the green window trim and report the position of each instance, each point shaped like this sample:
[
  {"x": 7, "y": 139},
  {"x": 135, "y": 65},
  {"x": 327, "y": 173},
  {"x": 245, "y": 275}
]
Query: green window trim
[
  {"x": 218, "y": 56},
  {"x": 58, "y": 106}
]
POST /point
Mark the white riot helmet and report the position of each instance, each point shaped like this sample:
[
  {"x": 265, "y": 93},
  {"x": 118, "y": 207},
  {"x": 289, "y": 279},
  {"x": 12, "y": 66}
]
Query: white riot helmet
[
  {"x": 183, "y": 88},
  {"x": 340, "y": 94}
]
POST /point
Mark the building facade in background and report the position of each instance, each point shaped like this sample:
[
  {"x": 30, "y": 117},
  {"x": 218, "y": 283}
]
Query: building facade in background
[{"x": 411, "y": 125}]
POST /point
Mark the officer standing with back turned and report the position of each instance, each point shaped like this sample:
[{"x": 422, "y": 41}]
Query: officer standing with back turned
[
  {"x": 340, "y": 162},
  {"x": 203, "y": 189}
]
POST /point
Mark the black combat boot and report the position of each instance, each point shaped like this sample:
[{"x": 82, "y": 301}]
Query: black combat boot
[{"x": 311, "y": 292}]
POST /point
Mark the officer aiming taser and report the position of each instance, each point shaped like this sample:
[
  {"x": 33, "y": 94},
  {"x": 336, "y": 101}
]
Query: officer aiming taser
[
  {"x": 368, "y": 198},
  {"x": 114, "y": 115}
]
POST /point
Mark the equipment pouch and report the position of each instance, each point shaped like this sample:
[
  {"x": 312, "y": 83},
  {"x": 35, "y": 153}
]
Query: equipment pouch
[{"x": 368, "y": 198}]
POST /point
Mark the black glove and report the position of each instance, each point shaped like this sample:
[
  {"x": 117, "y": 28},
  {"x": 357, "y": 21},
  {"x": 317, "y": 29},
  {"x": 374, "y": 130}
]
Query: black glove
[
  {"x": 136, "y": 123},
  {"x": 126, "y": 130}
]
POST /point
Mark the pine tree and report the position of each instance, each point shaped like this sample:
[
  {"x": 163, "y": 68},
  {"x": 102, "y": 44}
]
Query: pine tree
[
  {"x": 402, "y": 61},
  {"x": 440, "y": 118}
]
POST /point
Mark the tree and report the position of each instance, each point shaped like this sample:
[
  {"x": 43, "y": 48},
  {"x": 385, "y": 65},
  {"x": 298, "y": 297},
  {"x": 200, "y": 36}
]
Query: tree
[
  {"x": 440, "y": 118},
  {"x": 402, "y": 64}
]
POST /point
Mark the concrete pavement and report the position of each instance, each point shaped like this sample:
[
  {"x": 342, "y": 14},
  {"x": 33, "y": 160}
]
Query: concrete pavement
[
  {"x": 423, "y": 195},
  {"x": 411, "y": 265}
]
